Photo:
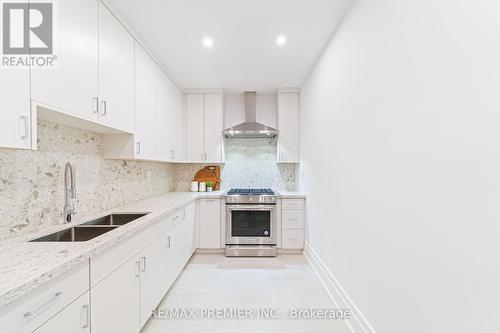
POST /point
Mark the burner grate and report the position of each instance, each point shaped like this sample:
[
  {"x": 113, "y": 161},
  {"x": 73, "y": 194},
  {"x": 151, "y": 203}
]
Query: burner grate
[{"x": 250, "y": 191}]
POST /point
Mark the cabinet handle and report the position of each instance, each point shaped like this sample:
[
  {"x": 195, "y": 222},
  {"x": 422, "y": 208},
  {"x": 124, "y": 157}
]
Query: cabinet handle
[
  {"x": 138, "y": 268},
  {"x": 143, "y": 259},
  {"x": 138, "y": 148},
  {"x": 172, "y": 154},
  {"x": 169, "y": 242},
  {"x": 43, "y": 306},
  {"x": 104, "y": 105},
  {"x": 95, "y": 105},
  {"x": 87, "y": 316},
  {"x": 25, "y": 123},
  {"x": 206, "y": 156}
]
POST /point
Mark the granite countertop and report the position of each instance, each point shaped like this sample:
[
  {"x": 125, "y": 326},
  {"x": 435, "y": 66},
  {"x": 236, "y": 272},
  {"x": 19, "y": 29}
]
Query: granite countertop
[
  {"x": 291, "y": 195},
  {"x": 26, "y": 265}
]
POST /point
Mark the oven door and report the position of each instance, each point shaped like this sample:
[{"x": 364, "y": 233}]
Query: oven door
[{"x": 250, "y": 224}]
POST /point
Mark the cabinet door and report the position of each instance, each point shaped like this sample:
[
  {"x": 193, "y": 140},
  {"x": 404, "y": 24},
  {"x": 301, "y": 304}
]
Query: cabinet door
[
  {"x": 179, "y": 119},
  {"x": 15, "y": 115},
  {"x": 116, "y": 73},
  {"x": 195, "y": 128},
  {"x": 166, "y": 122},
  {"x": 145, "y": 105},
  {"x": 209, "y": 223},
  {"x": 72, "y": 84},
  {"x": 115, "y": 300},
  {"x": 288, "y": 126},
  {"x": 213, "y": 127},
  {"x": 75, "y": 318},
  {"x": 155, "y": 279}
]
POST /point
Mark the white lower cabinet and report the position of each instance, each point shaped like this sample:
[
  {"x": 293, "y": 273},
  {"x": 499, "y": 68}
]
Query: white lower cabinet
[
  {"x": 164, "y": 259},
  {"x": 156, "y": 275},
  {"x": 209, "y": 223},
  {"x": 43, "y": 305},
  {"x": 115, "y": 300},
  {"x": 292, "y": 223},
  {"x": 75, "y": 318}
]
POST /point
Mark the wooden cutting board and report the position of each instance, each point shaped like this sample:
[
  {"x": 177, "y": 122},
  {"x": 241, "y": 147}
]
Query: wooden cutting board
[{"x": 210, "y": 173}]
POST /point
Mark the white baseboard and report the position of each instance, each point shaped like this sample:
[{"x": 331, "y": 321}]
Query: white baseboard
[{"x": 357, "y": 323}]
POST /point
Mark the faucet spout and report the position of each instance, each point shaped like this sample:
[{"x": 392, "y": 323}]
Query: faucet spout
[{"x": 69, "y": 192}]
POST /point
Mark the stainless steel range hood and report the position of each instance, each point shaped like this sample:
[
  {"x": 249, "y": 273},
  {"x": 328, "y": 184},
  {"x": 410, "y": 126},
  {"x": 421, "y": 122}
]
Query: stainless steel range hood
[{"x": 250, "y": 128}]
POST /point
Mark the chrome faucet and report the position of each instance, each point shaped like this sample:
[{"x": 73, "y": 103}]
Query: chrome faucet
[{"x": 69, "y": 192}]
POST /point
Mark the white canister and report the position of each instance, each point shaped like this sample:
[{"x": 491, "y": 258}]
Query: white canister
[
  {"x": 194, "y": 186},
  {"x": 202, "y": 187}
]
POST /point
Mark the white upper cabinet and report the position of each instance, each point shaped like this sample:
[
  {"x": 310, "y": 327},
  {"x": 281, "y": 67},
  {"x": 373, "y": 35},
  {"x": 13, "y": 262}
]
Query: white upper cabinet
[
  {"x": 71, "y": 86},
  {"x": 171, "y": 121},
  {"x": 288, "y": 126},
  {"x": 145, "y": 105},
  {"x": 213, "y": 127},
  {"x": 195, "y": 113},
  {"x": 15, "y": 114},
  {"x": 116, "y": 73},
  {"x": 204, "y": 127}
]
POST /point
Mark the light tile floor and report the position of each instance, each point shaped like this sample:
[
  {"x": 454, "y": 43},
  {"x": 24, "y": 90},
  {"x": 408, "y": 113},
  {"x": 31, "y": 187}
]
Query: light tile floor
[{"x": 216, "y": 282}]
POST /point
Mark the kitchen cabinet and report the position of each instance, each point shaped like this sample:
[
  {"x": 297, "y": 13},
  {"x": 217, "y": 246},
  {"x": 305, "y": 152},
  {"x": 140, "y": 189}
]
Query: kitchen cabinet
[
  {"x": 75, "y": 318},
  {"x": 71, "y": 85},
  {"x": 116, "y": 73},
  {"x": 155, "y": 277},
  {"x": 292, "y": 224},
  {"x": 209, "y": 223},
  {"x": 204, "y": 114},
  {"x": 43, "y": 305},
  {"x": 115, "y": 300},
  {"x": 15, "y": 105},
  {"x": 145, "y": 105},
  {"x": 288, "y": 126},
  {"x": 171, "y": 120},
  {"x": 164, "y": 259},
  {"x": 213, "y": 127}
]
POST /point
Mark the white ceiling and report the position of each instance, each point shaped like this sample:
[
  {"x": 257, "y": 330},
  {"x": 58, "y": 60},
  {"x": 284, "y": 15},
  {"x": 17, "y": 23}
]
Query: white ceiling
[{"x": 245, "y": 55}]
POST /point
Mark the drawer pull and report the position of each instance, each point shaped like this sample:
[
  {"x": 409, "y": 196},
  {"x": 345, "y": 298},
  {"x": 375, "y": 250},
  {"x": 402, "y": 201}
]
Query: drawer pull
[
  {"x": 175, "y": 218},
  {"x": 87, "y": 316},
  {"x": 43, "y": 306},
  {"x": 137, "y": 268},
  {"x": 143, "y": 259},
  {"x": 169, "y": 242}
]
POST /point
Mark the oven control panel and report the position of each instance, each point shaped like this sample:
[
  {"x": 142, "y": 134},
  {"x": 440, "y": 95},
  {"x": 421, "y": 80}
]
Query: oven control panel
[{"x": 250, "y": 199}]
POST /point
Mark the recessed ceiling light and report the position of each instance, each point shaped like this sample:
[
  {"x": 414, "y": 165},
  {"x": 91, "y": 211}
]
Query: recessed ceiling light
[
  {"x": 281, "y": 40},
  {"x": 208, "y": 42}
]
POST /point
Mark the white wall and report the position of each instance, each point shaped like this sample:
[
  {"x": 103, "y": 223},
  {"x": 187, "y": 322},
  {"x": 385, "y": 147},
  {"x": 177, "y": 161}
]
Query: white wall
[{"x": 401, "y": 162}]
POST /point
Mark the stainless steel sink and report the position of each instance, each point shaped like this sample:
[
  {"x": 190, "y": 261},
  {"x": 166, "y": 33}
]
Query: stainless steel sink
[
  {"x": 114, "y": 219},
  {"x": 90, "y": 230}
]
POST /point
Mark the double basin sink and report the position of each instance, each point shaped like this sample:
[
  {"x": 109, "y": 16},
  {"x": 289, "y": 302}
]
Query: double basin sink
[{"x": 91, "y": 229}]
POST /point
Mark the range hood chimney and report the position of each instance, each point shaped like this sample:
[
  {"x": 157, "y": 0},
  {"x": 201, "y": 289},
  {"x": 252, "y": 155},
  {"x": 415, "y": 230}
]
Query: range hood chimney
[{"x": 250, "y": 128}]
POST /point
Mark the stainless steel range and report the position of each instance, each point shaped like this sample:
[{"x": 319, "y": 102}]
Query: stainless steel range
[{"x": 251, "y": 223}]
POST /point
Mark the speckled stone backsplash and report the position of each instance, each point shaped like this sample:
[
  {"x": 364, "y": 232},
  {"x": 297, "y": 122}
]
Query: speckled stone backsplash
[
  {"x": 31, "y": 182},
  {"x": 250, "y": 163}
]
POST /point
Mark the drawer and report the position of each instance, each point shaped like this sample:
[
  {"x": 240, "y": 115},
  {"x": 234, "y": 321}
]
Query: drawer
[
  {"x": 292, "y": 239},
  {"x": 35, "y": 308},
  {"x": 111, "y": 260},
  {"x": 292, "y": 219},
  {"x": 293, "y": 204}
]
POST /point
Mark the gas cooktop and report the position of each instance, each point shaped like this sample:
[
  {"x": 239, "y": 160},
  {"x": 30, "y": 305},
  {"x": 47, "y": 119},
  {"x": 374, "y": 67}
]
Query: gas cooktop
[{"x": 251, "y": 191}]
